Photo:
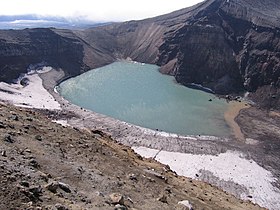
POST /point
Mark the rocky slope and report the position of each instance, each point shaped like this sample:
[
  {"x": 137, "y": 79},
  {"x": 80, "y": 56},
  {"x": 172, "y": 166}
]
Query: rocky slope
[
  {"x": 226, "y": 45},
  {"x": 56, "y": 47},
  {"x": 19, "y": 49},
  {"x": 44, "y": 165}
]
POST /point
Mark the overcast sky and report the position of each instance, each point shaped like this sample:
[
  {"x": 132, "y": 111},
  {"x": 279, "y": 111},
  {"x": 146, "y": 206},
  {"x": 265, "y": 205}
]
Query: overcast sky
[{"x": 97, "y": 10}]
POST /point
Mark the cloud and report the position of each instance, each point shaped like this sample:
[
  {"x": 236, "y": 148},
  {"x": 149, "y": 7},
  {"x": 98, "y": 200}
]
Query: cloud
[{"x": 107, "y": 10}]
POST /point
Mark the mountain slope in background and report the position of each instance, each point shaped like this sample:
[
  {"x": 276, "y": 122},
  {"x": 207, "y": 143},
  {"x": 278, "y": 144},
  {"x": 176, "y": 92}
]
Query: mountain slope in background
[
  {"x": 227, "y": 45},
  {"x": 35, "y": 21}
]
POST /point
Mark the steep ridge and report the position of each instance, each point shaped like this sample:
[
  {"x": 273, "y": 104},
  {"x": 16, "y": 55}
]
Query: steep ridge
[{"x": 230, "y": 46}]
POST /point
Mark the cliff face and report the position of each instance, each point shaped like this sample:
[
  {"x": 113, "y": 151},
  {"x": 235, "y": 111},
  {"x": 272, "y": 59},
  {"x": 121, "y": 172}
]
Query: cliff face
[
  {"x": 138, "y": 40},
  {"x": 226, "y": 45},
  {"x": 19, "y": 49}
]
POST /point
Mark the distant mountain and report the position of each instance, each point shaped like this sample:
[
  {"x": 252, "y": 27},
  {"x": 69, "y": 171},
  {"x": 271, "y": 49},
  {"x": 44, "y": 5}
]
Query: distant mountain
[
  {"x": 230, "y": 46},
  {"x": 35, "y": 21}
]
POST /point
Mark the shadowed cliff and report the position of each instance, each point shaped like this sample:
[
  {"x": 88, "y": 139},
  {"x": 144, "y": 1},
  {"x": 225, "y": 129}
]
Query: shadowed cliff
[{"x": 230, "y": 46}]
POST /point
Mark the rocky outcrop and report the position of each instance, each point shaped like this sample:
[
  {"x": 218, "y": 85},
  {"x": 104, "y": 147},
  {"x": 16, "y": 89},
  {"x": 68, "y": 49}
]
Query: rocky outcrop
[
  {"x": 229, "y": 46},
  {"x": 56, "y": 47},
  {"x": 19, "y": 49}
]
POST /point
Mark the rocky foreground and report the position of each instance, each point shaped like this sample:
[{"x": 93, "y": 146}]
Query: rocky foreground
[{"x": 44, "y": 165}]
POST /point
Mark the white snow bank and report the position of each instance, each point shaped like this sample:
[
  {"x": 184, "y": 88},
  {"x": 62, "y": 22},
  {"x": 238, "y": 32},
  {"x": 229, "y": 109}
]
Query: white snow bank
[
  {"x": 61, "y": 122},
  {"x": 34, "y": 95},
  {"x": 230, "y": 166}
]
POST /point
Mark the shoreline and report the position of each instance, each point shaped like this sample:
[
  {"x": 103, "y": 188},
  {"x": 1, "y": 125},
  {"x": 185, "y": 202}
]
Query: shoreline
[
  {"x": 133, "y": 135},
  {"x": 232, "y": 112},
  {"x": 51, "y": 88}
]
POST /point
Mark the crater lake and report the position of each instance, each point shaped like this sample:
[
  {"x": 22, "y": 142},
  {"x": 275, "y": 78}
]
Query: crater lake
[{"x": 139, "y": 94}]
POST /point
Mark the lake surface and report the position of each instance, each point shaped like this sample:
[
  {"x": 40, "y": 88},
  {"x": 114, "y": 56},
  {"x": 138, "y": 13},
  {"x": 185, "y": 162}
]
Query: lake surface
[{"x": 137, "y": 93}]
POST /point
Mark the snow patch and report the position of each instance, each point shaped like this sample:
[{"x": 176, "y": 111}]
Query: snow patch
[
  {"x": 34, "y": 95},
  {"x": 61, "y": 122},
  {"x": 231, "y": 166}
]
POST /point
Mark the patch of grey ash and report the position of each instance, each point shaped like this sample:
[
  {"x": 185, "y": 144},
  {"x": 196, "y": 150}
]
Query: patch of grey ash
[
  {"x": 228, "y": 186},
  {"x": 20, "y": 177},
  {"x": 131, "y": 135}
]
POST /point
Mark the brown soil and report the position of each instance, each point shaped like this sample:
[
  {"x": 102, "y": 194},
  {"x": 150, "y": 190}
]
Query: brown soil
[
  {"x": 230, "y": 115},
  {"x": 274, "y": 114}
]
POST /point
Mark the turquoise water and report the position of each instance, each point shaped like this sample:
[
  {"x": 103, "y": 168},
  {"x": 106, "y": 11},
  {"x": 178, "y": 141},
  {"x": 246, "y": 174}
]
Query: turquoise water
[{"x": 139, "y": 94}]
